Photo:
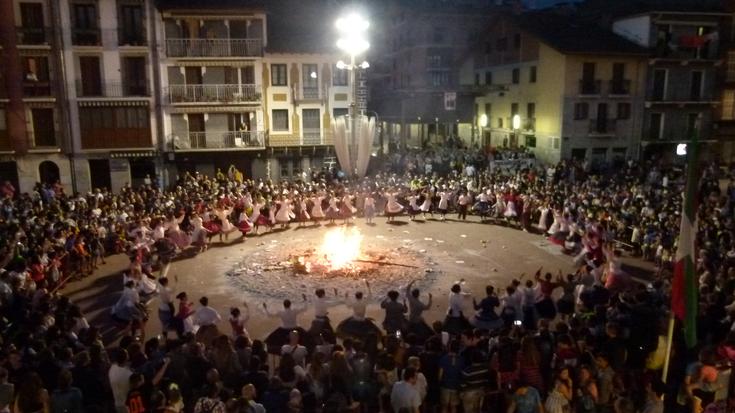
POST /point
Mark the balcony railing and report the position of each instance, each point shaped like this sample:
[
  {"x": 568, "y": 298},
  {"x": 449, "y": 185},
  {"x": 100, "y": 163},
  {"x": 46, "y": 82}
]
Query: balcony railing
[
  {"x": 34, "y": 35},
  {"x": 36, "y": 89},
  {"x": 213, "y": 47},
  {"x": 86, "y": 36},
  {"x": 589, "y": 87},
  {"x": 620, "y": 87},
  {"x": 310, "y": 92},
  {"x": 602, "y": 126},
  {"x": 682, "y": 94},
  {"x": 213, "y": 93},
  {"x": 131, "y": 36},
  {"x": 219, "y": 140},
  {"x": 309, "y": 137},
  {"x": 529, "y": 124},
  {"x": 111, "y": 89}
]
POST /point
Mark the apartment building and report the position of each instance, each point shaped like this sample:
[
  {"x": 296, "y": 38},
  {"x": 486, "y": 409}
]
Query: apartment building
[
  {"x": 687, "y": 52},
  {"x": 574, "y": 89},
  {"x": 414, "y": 75},
  {"x": 32, "y": 130}
]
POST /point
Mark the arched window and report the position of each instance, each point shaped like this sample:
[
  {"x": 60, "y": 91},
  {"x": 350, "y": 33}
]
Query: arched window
[{"x": 48, "y": 172}]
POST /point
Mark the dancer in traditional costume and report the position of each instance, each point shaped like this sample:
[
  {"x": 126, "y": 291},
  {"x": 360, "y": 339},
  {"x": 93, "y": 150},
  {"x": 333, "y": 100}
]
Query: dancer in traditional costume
[
  {"x": 543, "y": 221},
  {"x": 211, "y": 223},
  {"x": 413, "y": 207},
  {"x": 223, "y": 214},
  {"x": 369, "y": 208},
  {"x": 427, "y": 203},
  {"x": 482, "y": 206},
  {"x": 332, "y": 211},
  {"x": 200, "y": 234},
  {"x": 289, "y": 322},
  {"x": 358, "y": 325},
  {"x": 283, "y": 216},
  {"x": 243, "y": 223},
  {"x": 301, "y": 210},
  {"x": 346, "y": 210},
  {"x": 392, "y": 207},
  {"x": 321, "y": 325},
  {"x": 238, "y": 322},
  {"x": 510, "y": 206},
  {"x": 416, "y": 323},
  {"x": 183, "y": 320},
  {"x": 443, "y": 206},
  {"x": 456, "y": 320},
  {"x": 173, "y": 232},
  {"x": 317, "y": 213},
  {"x": 486, "y": 318}
]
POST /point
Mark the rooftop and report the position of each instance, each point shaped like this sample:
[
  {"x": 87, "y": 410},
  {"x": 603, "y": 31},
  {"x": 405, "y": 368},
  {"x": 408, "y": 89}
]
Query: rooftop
[
  {"x": 210, "y": 4},
  {"x": 570, "y": 35}
]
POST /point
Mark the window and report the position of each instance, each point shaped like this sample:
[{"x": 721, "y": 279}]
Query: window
[
  {"x": 434, "y": 61},
  {"x": 131, "y": 31},
  {"x": 488, "y": 78},
  {"x": 517, "y": 41},
  {"x": 477, "y": 79},
  {"x": 516, "y": 76},
  {"x": 501, "y": 44},
  {"x": 280, "y": 120},
  {"x": 513, "y": 110},
  {"x": 437, "y": 35},
  {"x": 618, "y": 72},
  {"x": 581, "y": 111},
  {"x": 85, "y": 31},
  {"x": 588, "y": 71},
  {"x": 532, "y": 74},
  {"x": 43, "y": 127},
  {"x": 655, "y": 127},
  {"x": 728, "y": 105},
  {"x": 623, "y": 111},
  {"x": 659, "y": 84},
  {"x": 91, "y": 79},
  {"x": 338, "y": 112},
  {"x": 312, "y": 126},
  {"x": 310, "y": 81},
  {"x": 500, "y": 123},
  {"x": 134, "y": 76},
  {"x": 692, "y": 125},
  {"x": 439, "y": 78},
  {"x": 695, "y": 92},
  {"x": 488, "y": 109},
  {"x": 279, "y": 77},
  {"x": 530, "y": 111},
  {"x": 339, "y": 77},
  {"x": 36, "y": 76},
  {"x": 488, "y": 47},
  {"x": 32, "y": 25}
]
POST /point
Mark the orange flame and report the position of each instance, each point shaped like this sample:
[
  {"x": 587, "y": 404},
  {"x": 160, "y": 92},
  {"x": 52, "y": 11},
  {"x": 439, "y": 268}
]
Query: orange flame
[{"x": 341, "y": 246}]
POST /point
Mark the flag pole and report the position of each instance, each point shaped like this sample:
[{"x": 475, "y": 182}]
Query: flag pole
[{"x": 669, "y": 341}]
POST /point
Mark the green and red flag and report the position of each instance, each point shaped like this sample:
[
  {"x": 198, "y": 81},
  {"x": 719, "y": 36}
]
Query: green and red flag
[{"x": 684, "y": 291}]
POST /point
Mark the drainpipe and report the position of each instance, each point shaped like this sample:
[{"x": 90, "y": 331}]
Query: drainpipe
[
  {"x": 156, "y": 92},
  {"x": 67, "y": 144}
]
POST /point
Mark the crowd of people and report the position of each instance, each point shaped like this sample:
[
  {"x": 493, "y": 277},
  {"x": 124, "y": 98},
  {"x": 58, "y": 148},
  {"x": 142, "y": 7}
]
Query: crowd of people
[{"x": 589, "y": 341}]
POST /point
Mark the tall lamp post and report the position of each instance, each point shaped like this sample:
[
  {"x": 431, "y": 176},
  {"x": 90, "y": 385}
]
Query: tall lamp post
[{"x": 352, "y": 29}]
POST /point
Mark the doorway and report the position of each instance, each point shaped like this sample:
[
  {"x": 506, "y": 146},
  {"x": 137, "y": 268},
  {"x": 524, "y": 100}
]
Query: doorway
[
  {"x": 48, "y": 172},
  {"x": 99, "y": 172}
]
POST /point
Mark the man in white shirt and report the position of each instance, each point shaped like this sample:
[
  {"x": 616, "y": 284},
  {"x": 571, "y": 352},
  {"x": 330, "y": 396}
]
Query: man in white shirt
[
  {"x": 405, "y": 395},
  {"x": 206, "y": 318},
  {"x": 119, "y": 377},
  {"x": 296, "y": 350}
]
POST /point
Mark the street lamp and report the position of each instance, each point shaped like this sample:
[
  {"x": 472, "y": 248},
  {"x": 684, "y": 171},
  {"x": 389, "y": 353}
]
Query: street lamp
[
  {"x": 483, "y": 120},
  {"x": 352, "y": 29}
]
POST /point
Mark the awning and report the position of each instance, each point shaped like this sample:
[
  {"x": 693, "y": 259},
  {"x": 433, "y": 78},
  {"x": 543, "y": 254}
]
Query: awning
[
  {"x": 134, "y": 154},
  {"x": 112, "y": 103}
]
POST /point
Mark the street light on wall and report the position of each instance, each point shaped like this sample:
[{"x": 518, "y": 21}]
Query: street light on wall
[
  {"x": 516, "y": 123},
  {"x": 483, "y": 120}
]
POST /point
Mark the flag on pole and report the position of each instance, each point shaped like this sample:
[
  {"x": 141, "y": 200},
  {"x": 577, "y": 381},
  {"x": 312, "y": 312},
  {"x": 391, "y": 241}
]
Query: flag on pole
[{"x": 684, "y": 287}]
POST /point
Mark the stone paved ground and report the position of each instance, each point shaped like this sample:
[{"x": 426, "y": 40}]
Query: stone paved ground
[{"x": 480, "y": 254}]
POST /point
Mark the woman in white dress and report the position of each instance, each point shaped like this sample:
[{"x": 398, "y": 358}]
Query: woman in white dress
[
  {"x": 413, "y": 207},
  {"x": 443, "y": 206},
  {"x": 332, "y": 211},
  {"x": 346, "y": 209},
  {"x": 392, "y": 206},
  {"x": 426, "y": 205},
  {"x": 174, "y": 232},
  {"x": 226, "y": 228},
  {"x": 243, "y": 223},
  {"x": 542, "y": 226},
  {"x": 317, "y": 214},
  {"x": 283, "y": 216},
  {"x": 199, "y": 234},
  {"x": 369, "y": 208}
]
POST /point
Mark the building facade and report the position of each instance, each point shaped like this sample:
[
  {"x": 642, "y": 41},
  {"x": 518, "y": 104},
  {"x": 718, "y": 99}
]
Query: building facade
[
  {"x": 573, "y": 99},
  {"x": 33, "y": 133},
  {"x": 414, "y": 76},
  {"x": 684, "y": 81}
]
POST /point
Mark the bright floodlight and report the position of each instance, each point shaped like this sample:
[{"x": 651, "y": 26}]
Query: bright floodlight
[
  {"x": 681, "y": 149},
  {"x": 483, "y": 120},
  {"x": 341, "y": 65},
  {"x": 352, "y": 23},
  {"x": 353, "y": 45},
  {"x": 364, "y": 65},
  {"x": 312, "y": 75},
  {"x": 516, "y": 121}
]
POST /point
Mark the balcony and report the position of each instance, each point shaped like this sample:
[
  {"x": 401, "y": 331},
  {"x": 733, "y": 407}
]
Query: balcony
[
  {"x": 131, "y": 36},
  {"x": 589, "y": 87},
  {"x": 602, "y": 127},
  {"x": 111, "y": 90},
  {"x": 201, "y": 141},
  {"x": 679, "y": 95},
  {"x": 242, "y": 93},
  {"x": 309, "y": 137},
  {"x": 214, "y": 47},
  {"x": 37, "y": 89},
  {"x": 34, "y": 36},
  {"x": 309, "y": 93},
  {"x": 529, "y": 125},
  {"x": 86, "y": 36},
  {"x": 620, "y": 87}
]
